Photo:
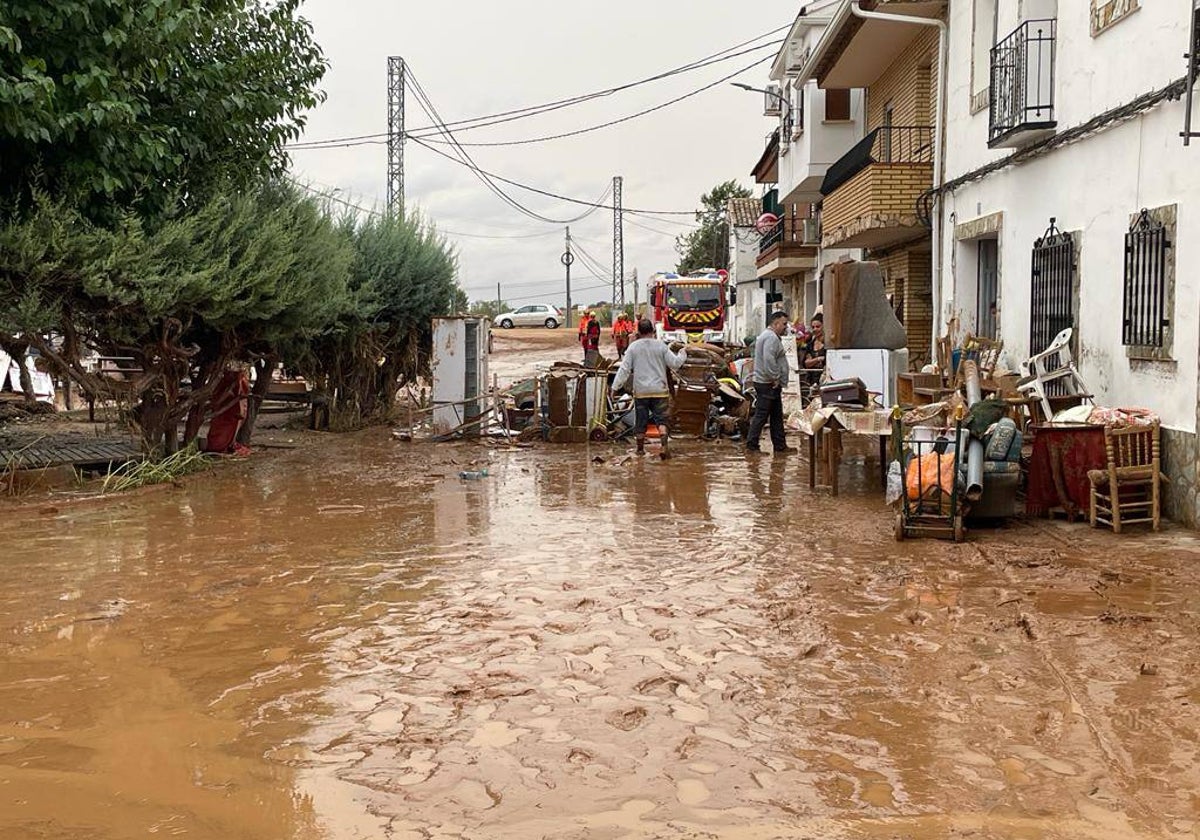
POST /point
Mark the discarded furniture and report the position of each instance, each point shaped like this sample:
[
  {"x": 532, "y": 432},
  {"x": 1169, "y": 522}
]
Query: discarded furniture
[
  {"x": 1061, "y": 458},
  {"x": 574, "y": 404},
  {"x": 824, "y": 426},
  {"x": 856, "y": 310},
  {"x": 461, "y": 397},
  {"x": 985, "y": 353},
  {"x": 878, "y": 369},
  {"x": 918, "y": 388},
  {"x": 1052, "y": 378},
  {"x": 1126, "y": 491}
]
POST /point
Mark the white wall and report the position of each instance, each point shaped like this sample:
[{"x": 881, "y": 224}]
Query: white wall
[
  {"x": 808, "y": 154},
  {"x": 1091, "y": 187},
  {"x": 743, "y": 273}
]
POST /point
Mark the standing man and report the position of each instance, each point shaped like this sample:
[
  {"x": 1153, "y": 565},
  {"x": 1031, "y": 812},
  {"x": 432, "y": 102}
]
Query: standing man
[
  {"x": 770, "y": 378},
  {"x": 591, "y": 343},
  {"x": 646, "y": 369}
]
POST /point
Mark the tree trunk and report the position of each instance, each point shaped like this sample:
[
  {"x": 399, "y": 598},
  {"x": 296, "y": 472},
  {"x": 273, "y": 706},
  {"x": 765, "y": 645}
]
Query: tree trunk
[
  {"x": 151, "y": 419},
  {"x": 264, "y": 369},
  {"x": 19, "y": 349}
]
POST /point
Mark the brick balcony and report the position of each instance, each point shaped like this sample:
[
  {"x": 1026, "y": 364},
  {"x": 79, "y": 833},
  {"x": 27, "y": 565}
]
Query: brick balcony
[{"x": 871, "y": 193}]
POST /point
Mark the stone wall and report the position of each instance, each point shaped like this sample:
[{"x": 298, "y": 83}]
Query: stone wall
[{"x": 1181, "y": 490}]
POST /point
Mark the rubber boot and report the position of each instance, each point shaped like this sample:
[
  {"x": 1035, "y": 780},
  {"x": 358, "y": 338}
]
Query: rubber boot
[
  {"x": 641, "y": 445},
  {"x": 666, "y": 453}
]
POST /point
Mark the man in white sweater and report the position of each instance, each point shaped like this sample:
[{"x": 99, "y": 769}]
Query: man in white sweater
[{"x": 646, "y": 371}]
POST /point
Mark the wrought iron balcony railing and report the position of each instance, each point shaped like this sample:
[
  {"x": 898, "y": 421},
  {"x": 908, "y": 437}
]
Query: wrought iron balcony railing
[
  {"x": 887, "y": 144},
  {"x": 791, "y": 229},
  {"x": 1022, "y": 92}
]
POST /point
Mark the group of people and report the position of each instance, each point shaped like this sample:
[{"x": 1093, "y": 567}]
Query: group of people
[
  {"x": 623, "y": 330},
  {"x": 645, "y": 372}
]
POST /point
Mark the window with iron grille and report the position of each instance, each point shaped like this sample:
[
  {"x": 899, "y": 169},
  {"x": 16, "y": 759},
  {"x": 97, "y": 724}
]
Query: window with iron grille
[
  {"x": 1149, "y": 296},
  {"x": 1052, "y": 306}
]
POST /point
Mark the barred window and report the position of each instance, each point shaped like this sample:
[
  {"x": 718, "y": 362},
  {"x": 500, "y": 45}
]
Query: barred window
[
  {"x": 1149, "y": 288},
  {"x": 1052, "y": 299}
]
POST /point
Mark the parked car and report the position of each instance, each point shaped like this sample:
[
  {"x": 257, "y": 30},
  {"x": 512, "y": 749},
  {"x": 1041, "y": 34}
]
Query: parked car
[{"x": 534, "y": 315}]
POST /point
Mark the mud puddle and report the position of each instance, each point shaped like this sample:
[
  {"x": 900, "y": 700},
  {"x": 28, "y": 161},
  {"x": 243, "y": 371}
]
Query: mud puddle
[{"x": 351, "y": 642}]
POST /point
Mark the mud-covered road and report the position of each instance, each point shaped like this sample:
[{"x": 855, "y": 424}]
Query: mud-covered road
[{"x": 348, "y": 641}]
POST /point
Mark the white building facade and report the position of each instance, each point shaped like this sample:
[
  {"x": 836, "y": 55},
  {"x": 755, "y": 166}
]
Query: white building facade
[
  {"x": 748, "y": 314},
  {"x": 815, "y": 129},
  {"x": 1063, "y": 124}
]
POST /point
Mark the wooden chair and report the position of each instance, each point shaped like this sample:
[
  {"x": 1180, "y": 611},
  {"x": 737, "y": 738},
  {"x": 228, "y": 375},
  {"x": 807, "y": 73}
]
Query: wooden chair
[
  {"x": 985, "y": 352},
  {"x": 1127, "y": 491}
]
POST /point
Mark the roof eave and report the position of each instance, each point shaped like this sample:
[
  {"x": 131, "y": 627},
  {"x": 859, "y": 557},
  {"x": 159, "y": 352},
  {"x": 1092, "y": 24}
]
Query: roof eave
[
  {"x": 802, "y": 22},
  {"x": 828, "y": 38}
]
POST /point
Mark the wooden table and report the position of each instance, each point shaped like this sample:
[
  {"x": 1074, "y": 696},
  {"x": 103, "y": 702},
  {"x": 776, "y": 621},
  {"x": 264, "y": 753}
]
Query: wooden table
[{"x": 825, "y": 443}]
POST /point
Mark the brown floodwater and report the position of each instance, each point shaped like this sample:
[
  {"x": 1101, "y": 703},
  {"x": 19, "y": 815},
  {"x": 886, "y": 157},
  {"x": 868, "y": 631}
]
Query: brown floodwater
[{"x": 348, "y": 641}]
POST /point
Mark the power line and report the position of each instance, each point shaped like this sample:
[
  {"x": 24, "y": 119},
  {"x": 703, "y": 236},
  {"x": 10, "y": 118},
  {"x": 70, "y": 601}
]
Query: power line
[
  {"x": 552, "y": 295},
  {"x": 653, "y": 230},
  {"x": 557, "y": 280},
  {"x": 499, "y": 236},
  {"x": 548, "y": 137},
  {"x": 534, "y": 110},
  {"x": 464, "y": 158},
  {"x": 610, "y": 123},
  {"x": 329, "y": 196},
  {"x": 548, "y": 194}
]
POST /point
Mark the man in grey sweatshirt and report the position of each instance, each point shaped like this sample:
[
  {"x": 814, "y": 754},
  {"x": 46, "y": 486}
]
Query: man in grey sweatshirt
[
  {"x": 646, "y": 371},
  {"x": 770, "y": 378}
]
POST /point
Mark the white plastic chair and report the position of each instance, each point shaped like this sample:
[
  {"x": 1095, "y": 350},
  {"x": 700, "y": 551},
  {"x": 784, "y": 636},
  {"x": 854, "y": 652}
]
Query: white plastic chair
[{"x": 1053, "y": 373}]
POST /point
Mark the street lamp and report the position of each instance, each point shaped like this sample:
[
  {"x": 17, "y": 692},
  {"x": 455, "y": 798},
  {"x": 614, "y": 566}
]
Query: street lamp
[{"x": 768, "y": 92}]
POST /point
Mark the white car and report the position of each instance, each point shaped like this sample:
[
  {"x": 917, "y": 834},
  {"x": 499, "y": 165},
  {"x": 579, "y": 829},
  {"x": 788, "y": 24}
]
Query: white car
[{"x": 534, "y": 315}]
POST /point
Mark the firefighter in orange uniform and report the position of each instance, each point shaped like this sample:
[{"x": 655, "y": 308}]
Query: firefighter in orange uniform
[
  {"x": 583, "y": 326},
  {"x": 622, "y": 331}
]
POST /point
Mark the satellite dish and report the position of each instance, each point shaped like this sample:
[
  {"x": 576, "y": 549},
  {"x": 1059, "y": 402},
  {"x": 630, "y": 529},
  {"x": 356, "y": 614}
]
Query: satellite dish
[{"x": 766, "y": 222}]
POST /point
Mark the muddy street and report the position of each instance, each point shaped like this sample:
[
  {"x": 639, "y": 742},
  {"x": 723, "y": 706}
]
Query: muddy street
[{"x": 349, "y": 641}]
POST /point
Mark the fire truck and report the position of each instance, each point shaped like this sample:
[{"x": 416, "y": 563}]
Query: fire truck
[{"x": 689, "y": 308}]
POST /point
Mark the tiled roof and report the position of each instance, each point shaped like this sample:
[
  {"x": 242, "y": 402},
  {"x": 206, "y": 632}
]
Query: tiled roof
[{"x": 744, "y": 212}]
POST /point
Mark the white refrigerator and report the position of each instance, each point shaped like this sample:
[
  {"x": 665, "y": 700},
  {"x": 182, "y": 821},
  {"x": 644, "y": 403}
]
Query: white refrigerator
[{"x": 878, "y": 369}]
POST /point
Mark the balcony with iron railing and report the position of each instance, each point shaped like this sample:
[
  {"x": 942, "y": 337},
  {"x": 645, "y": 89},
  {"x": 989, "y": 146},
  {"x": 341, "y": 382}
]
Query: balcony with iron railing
[
  {"x": 790, "y": 246},
  {"x": 1022, "y": 86},
  {"x": 871, "y": 193}
]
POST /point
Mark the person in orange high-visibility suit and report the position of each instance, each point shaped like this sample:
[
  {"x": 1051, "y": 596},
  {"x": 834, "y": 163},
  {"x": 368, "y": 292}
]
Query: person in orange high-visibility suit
[
  {"x": 583, "y": 325},
  {"x": 622, "y": 332}
]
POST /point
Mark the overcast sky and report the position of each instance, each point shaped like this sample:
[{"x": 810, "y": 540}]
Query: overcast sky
[{"x": 475, "y": 58}]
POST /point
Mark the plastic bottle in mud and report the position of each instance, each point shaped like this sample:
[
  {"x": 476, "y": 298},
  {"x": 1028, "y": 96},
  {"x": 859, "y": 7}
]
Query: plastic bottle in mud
[{"x": 472, "y": 475}]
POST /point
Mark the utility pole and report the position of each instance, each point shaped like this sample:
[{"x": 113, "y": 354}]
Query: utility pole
[
  {"x": 618, "y": 295},
  {"x": 566, "y": 259},
  {"x": 498, "y": 300},
  {"x": 395, "y": 143},
  {"x": 636, "y": 300}
]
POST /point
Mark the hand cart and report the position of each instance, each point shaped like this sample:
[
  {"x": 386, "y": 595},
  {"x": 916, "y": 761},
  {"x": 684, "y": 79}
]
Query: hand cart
[{"x": 930, "y": 502}]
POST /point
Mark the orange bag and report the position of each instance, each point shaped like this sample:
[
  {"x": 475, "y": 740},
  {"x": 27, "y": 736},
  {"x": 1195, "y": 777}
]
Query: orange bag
[{"x": 929, "y": 473}]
